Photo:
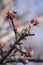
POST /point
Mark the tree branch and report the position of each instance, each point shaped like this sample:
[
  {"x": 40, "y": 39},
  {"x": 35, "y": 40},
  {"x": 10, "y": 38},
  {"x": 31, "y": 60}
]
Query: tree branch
[
  {"x": 20, "y": 59},
  {"x": 14, "y": 29},
  {"x": 22, "y": 36}
]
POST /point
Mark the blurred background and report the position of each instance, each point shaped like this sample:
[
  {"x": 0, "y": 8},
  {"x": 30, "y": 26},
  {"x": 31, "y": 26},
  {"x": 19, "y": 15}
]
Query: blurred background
[{"x": 26, "y": 11}]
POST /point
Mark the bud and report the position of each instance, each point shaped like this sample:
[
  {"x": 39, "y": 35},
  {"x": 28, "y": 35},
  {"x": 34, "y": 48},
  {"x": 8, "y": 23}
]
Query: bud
[
  {"x": 32, "y": 21},
  {"x": 25, "y": 60},
  {"x": 11, "y": 15},
  {"x": 30, "y": 33},
  {"x": 35, "y": 21},
  {"x": 1, "y": 44},
  {"x": 29, "y": 52}
]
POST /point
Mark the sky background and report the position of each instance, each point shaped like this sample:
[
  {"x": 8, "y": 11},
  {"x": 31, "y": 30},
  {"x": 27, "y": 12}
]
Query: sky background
[{"x": 26, "y": 11}]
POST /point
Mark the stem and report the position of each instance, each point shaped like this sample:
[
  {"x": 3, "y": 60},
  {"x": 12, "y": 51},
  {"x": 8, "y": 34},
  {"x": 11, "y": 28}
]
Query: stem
[
  {"x": 14, "y": 28},
  {"x": 2, "y": 60}
]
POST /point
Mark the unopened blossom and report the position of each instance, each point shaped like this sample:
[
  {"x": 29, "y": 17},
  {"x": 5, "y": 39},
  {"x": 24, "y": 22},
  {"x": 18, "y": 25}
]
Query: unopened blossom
[
  {"x": 1, "y": 44},
  {"x": 25, "y": 60},
  {"x": 29, "y": 52},
  {"x": 11, "y": 15},
  {"x": 31, "y": 33},
  {"x": 35, "y": 21}
]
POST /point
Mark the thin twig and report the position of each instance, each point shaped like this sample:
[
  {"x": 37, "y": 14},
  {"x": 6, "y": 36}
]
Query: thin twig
[
  {"x": 14, "y": 29},
  {"x": 17, "y": 42}
]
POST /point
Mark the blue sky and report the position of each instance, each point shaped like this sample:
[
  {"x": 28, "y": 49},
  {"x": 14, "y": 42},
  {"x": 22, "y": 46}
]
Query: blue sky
[
  {"x": 32, "y": 8},
  {"x": 29, "y": 9}
]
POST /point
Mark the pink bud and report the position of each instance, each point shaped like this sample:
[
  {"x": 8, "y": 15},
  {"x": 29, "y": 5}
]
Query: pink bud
[
  {"x": 35, "y": 21},
  {"x": 32, "y": 21},
  {"x": 29, "y": 52},
  {"x": 1, "y": 44},
  {"x": 11, "y": 14},
  {"x": 30, "y": 33},
  {"x": 25, "y": 60}
]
